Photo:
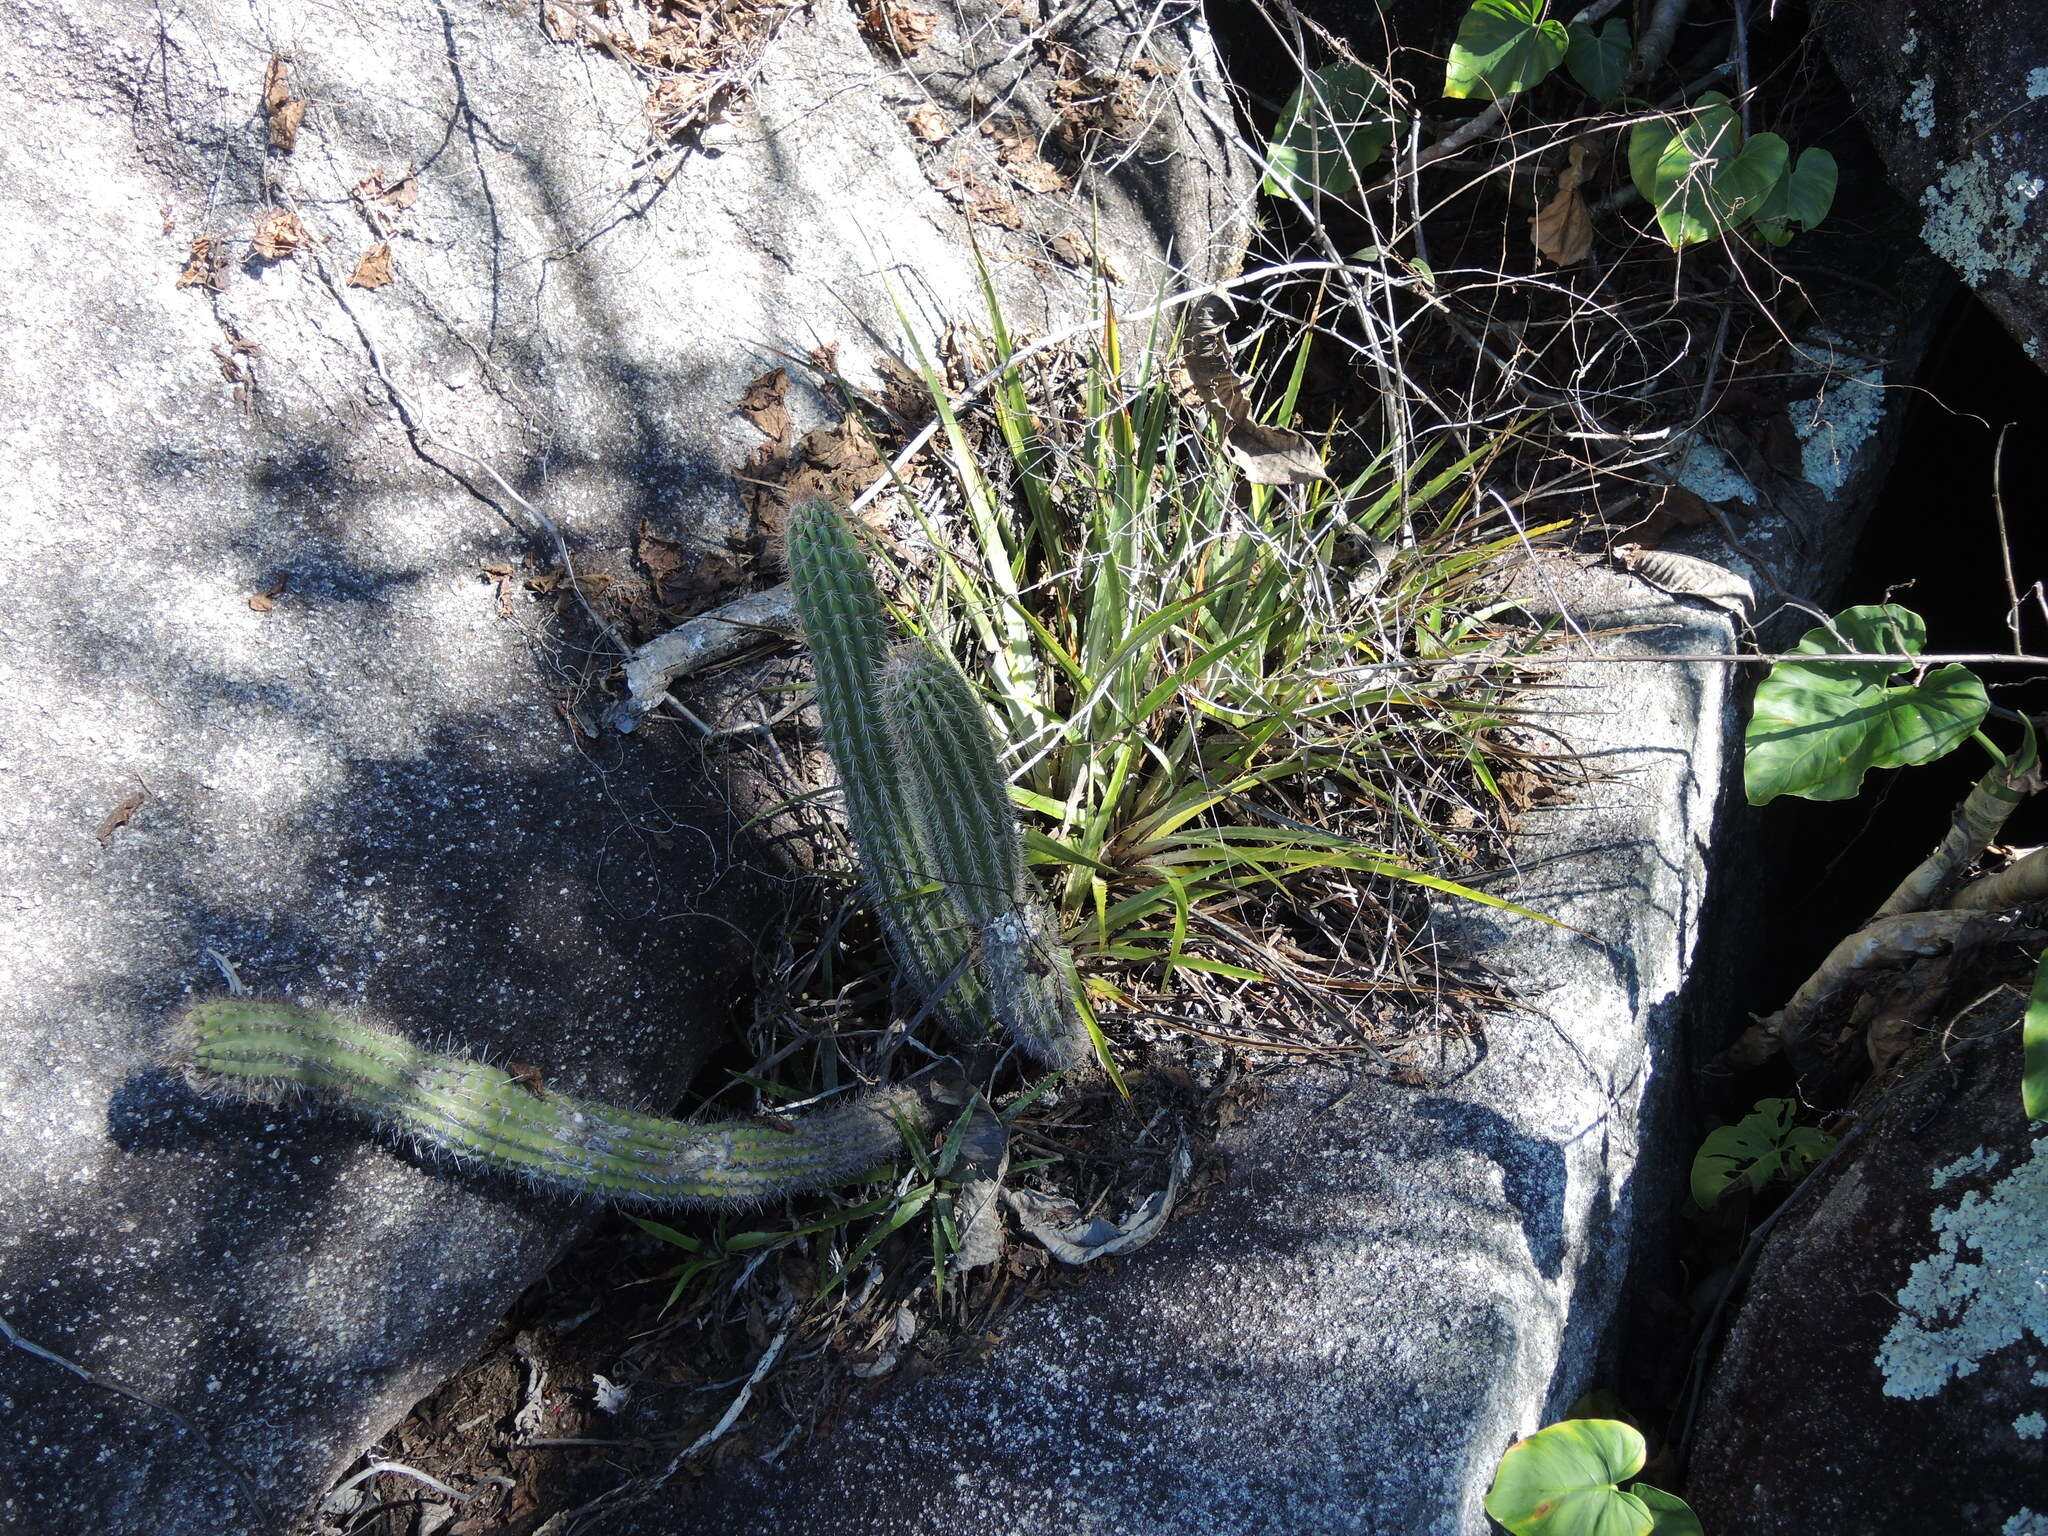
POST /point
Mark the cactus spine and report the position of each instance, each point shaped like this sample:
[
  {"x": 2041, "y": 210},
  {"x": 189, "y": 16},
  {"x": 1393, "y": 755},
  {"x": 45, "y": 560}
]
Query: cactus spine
[
  {"x": 485, "y": 1114},
  {"x": 927, "y": 806}
]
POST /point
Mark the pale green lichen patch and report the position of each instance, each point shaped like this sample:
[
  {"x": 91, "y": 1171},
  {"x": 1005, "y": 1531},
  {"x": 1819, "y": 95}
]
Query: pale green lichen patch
[
  {"x": 2025, "y": 1523},
  {"x": 1710, "y": 474},
  {"x": 1838, "y": 421},
  {"x": 1977, "y": 223},
  {"x": 1919, "y": 109},
  {"x": 2037, "y": 84},
  {"x": 1985, "y": 1286},
  {"x": 2030, "y": 1426},
  {"x": 1979, "y": 1161}
]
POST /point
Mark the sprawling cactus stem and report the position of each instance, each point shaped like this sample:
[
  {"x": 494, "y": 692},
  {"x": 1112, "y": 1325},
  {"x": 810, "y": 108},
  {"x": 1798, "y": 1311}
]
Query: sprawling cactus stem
[
  {"x": 568, "y": 1145},
  {"x": 841, "y": 613}
]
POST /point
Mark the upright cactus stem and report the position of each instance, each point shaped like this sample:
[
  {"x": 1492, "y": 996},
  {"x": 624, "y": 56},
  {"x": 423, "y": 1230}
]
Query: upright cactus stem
[
  {"x": 969, "y": 837},
  {"x": 841, "y": 613},
  {"x": 956, "y": 798},
  {"x": 566, "y": 1145}
]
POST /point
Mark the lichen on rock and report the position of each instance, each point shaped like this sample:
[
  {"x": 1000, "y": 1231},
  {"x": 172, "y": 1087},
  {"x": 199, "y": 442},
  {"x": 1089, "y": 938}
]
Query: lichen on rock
[{"x": 1955, "y": 1310}]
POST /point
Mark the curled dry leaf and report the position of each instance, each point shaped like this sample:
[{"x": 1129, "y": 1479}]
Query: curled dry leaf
[
  {"x": 765, "y": 402},
  {"x": 1017, "y": 153},
  {"x": 374, "y": 270},
  {"x": 206, "y": 265},
  {"x": 283, "y": 113},
  {"x": 1562, "y": 228},
  {"x": 928, "y": 124},
  {"x": 278, "y": 234},
  {"x": 1272, "y": 455},
  {"x": 903, "y": 29},
  {"x": 385, "y": 198}
]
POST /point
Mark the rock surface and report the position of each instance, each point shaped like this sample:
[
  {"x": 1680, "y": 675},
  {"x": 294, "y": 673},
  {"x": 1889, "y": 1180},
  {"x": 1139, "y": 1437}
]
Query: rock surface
[
  {"x": 1955, "y": 97},
  {"x": 245, "y": 519},
  {"x": 1393, "y": 1285},
  {"x": 1888, "y": 1370}
]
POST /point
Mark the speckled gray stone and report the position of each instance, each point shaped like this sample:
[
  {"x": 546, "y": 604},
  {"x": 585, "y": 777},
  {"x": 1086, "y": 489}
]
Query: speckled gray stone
[
  {"x": 366, "y": 796},
  {"x": 1955, "y": 97}
]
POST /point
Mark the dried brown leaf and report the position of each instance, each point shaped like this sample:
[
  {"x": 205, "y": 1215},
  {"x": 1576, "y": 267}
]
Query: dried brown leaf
[
  {"x": 903, "y": 29},
  {"x": 374, "y": 270},
  {"x": 1562, "y": 227},
  {"x": 283, "y": 113},
  {"x": 1272, "y": 455},
  {"x": 765, "y": 402},
  {"x": 278, "y": 234},
  {"x": 206, "y": 265},
  {"x": 928, "y": 124},
  {"x": 384, "y": 199}
]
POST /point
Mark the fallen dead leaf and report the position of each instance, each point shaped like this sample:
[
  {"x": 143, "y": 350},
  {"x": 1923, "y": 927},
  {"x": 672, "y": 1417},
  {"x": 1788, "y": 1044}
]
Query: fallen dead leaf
[
  {"x": 206, "y": 265},
  {"x": 928, "y": 124},
  {"x": 765, "y": 402},
  {"x": 1272, "y": 455},
  {"x": 979, "y": 200},
  {"x": 279, "y": 234},
  {"x": 374, "y": 270},
  {"x": 1017, "y": 153},
  {"x": 825, "y": 359},
  {"x": 902, "y": 28},
  {"x": 1562, "y": 228},
  {"x": 120, "y": 815},
  {"x": 384, "y": 202},
  {"x": 527, "y": 1076},
  {"x": 264, "y": 601},
  {"x": 284, "y": 114}
]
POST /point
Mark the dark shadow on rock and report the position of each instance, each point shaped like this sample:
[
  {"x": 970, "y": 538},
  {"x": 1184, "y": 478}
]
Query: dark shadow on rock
[{"x": 1532, "y": 1172}]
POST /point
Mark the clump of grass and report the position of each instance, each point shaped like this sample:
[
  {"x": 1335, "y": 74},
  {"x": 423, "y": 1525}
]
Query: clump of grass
[{"x": 1166, "y": 648}]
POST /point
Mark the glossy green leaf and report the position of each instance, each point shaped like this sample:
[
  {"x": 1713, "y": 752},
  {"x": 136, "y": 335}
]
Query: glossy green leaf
[
  {"x": 1335, "y": 125},
  {"x": 1503, "y": 47},
  {"x": 1763, "y": 1145},
  {"x": 1700, "y": 175},
  {"x": 1599, "y": 60},
  {"x": 1818, "y": 727},
  {"x": 2034, "y": 1048},
  {"x": 1801, "y": 198},
  {"x": 1563, "y": 1481},
  {"x": 1673, "y": 1516}
]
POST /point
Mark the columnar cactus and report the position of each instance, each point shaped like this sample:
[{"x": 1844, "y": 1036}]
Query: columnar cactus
[
  {"x": 488, "y": 1115},
  {"x": 969, "y": 834},
  {"x": 925, "y": 800},
  {"x": 841, "y": 614}
]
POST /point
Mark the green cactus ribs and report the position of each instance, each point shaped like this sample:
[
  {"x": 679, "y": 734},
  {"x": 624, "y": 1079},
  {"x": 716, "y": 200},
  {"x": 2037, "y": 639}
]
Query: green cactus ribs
[
  {"x": 927, "y": 805},
  {"x": 570, "y": 1146}
]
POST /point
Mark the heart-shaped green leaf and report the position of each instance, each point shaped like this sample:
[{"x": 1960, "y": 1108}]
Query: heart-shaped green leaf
[
  {"x": 1599, "y": 60},
  {"x": 1801, "y": 198},
  {"x": 1503, "y": 47},
  {"x": 1700, "y": 175},
  {"x": 1335, "y": 125},
  {"x": 1818, "y": 727},
  {"x": 1562, "y": 1481},
  {"x": 1673, "y": 1516}
]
